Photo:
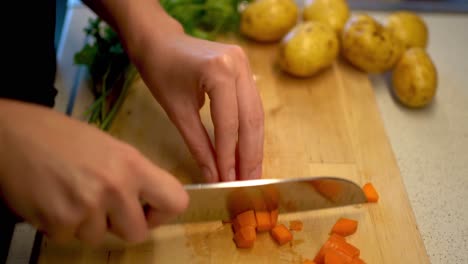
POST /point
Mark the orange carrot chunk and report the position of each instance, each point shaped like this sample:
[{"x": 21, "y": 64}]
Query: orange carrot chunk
[
  {"x": 344, "y": 227},
  {"x": 274, "y": 217},
  {"x": 247, "y": 218},
  {"x": 263, "y": 220},
  {"x": 281, "y": 234},
  {"x": 295, "y": 225},
  {"x": 337, "y": 243},
  {"x": 235, "y": 225},
  {"x": 245, "y": 237},
  {"x": 370, "y": 192},
  {"x": 308, "y": 261},
  {"x": 335, "y": 257}
]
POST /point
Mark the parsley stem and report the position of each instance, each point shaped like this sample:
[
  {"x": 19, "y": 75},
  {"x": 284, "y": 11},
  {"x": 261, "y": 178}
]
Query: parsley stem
[{"x": 129, "y": 77}]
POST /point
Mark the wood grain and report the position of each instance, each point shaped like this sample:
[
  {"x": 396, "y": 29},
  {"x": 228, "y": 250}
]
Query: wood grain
[{"x": 326, "y": 125}]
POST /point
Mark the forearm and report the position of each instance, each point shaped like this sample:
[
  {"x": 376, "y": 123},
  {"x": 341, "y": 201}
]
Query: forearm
[{"x": 136, "y": 21}]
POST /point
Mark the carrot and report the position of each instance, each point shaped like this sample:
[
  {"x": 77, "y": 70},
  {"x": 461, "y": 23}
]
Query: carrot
[
  {"x": 335, "y": 257},
  {"x": 281, "y": 234},
  {"x": 344, "y": 227},
  {"x": 235, "y": 225},
  {"x": 247, "y": 218},
  {"x": 274, "y": 217},
  {"x": 370, "y": 192},
  {"x": 337, "y": 243},
  {"x": 329, "y": 189},
  {"x": 263, "y": 220},
  {"x": 308, "y": 261},
  {"x": 245, "y": 237},
  {"x": 295, "y": 225}
]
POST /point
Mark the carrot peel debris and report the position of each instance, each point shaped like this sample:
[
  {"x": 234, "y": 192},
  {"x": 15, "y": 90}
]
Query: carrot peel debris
[{"x": 295, "y": 225}]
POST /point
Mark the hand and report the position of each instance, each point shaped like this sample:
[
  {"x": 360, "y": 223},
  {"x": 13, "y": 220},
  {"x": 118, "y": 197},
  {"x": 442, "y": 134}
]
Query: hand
[
  {"x": 179, "y": 70},
  {"x": 70, "y": 179}
]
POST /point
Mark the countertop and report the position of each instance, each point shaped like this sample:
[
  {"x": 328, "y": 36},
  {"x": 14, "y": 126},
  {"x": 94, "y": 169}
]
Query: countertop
[{"x": 430, "y": 144}]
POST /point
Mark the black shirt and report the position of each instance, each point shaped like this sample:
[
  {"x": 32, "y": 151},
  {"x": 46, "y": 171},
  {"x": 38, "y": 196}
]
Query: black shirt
[{"x": 28, "y": 72}]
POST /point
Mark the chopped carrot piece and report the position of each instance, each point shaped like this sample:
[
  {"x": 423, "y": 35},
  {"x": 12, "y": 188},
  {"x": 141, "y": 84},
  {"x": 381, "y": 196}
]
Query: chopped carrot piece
[
  {"x": 344, "y": 227},
  {"x": 357, "y": 261},
  {"x": 337, "y": 243},
  {"x": 335, "y": 257},
  {"x": 329, "y": 189},
  {"x": 295, "y": 225},
  {"x": 247, "y": 218},
  {"x": 281, "y": 234},
  {"x": 370, "y": 192},
  {"x": 349, "y": 249},
  {"x": 263, "y": 220},
  {"x": 336, "y": 237},
  {"x": 235, "y": 225},
  {"x": 308, "y": 261},
  {"x": 245, "y": 237},
  {"x": 274, "y": 217},
  {"x": 239, "y": 201}
]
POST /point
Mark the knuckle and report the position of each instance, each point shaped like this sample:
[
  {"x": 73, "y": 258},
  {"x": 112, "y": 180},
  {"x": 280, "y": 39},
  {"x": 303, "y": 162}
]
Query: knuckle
[
  {"x": 63, "y": 219},
  {"x": 256, "y": 121},
  {"x": 229, "y": 127}
]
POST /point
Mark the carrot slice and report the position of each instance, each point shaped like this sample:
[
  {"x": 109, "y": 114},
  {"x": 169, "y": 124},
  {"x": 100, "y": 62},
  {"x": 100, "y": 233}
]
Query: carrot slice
[
  {"x": 335, "y": 257},
  {"x": 274, "y": 217},
  {"x": 245, "y": 237},
  {"x": 281, "y": 234},
  {"x": 295, "y": 225},
  {"x": 370, "y": 192},
  {"x": 344, "y": 227},
  {"x": 247, "y": 218},
  {"x": 263, "y": 220},
  {"x": 308, "y": 261}
]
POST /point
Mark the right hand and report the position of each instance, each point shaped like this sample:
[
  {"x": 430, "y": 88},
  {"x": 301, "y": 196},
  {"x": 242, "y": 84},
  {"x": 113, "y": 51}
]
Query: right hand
[{"x": 69, "y": 179}]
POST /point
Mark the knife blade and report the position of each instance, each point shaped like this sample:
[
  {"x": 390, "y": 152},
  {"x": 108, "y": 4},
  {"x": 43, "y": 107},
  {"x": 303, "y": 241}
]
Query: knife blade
[{"x": 222, "y": 201}]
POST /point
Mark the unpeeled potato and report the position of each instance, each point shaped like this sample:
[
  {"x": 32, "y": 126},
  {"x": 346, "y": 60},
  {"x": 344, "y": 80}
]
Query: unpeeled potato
[
  {"x": 332, "y": 12},
  {"x": 308, "y": 48},
  {"x": 268, "y": 20},
  {"x": 368, "y": 45},
  {"x": 414, "y": 79},
  {"x": 409, "y": 28}
]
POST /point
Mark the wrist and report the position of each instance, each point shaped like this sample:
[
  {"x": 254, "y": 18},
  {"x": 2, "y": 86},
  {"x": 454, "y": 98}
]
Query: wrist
[{"x": 143, "y": 25}]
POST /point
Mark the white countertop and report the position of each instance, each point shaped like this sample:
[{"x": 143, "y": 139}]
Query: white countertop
[{"x": 431, "y": 145}]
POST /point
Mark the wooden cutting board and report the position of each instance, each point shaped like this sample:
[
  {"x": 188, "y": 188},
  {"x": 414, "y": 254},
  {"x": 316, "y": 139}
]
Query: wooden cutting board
[{"x": 325, "y": 125}]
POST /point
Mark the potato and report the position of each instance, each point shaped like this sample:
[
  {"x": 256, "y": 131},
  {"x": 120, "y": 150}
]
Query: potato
[
  {"x": 332, "y": 12},
  {"x": 308, "y": 48},
  {"x": 414, "y": 79},
  {"x": 268, "y": 20},
  {"x": 368, "y": 45},
  {"x": 409, "y": 28}
]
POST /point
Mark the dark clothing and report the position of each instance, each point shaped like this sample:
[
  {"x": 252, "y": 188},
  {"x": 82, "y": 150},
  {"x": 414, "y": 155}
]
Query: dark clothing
[{"x": 29, "y": 65}]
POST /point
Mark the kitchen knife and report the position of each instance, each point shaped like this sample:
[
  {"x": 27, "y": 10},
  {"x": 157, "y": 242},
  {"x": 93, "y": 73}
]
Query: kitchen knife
[{"x": 222, "y": 201}]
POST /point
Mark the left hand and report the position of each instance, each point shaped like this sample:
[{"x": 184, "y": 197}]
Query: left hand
[{"x": 179, "y": 70}]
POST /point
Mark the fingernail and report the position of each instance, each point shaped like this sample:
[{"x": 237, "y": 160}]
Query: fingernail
[
  {"x": 255, "y": 173},
  {"x": 207, "y": 174},
  {"x": 231, "y": 175}
]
